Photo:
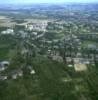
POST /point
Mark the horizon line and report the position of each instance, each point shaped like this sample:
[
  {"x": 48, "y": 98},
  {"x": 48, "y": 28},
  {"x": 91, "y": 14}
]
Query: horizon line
[{"x": 24, "y": 3}]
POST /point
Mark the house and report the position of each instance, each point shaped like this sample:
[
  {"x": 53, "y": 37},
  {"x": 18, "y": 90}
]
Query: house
[
  {"x": 56, "y": 47},
  {"x": 79, "y": 54},
  {"x": 57, "y": 58},
  {"x": 49, "y": 42},
  {"x": 84, "y": 61},
  {"x": 2, "y": 68},
  {"x": 81, "y": 60},
  {"x": 23, "y": 34},
  {"x": 4, "y": 65},
  {"x": 74, "y": 36},
  {"x": 92, "y": 46},
  {"x": 76, "y": 60},
  {"x": 35, "y": 33},
  {"x": 32, "y": 71},
  {"x": 77, "y": 40},
  {"x": 68, "y": 59},
  {"x": 16, "y": 73},
  {"x": 55, "y": 40},
  {"x": 24, "y": 51},
  {"x": 3, "y": 77}
]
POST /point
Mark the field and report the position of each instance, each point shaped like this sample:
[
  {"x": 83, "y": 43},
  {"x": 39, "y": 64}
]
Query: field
[
  {"x": 6, "y": 22},
  {"x": 80, "y": 67},
  {"x": 37, "y": 20},
  {"x": 9, "y": 22}
]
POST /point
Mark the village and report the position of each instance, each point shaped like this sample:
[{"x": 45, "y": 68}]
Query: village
[{"x": 69, "y": 49}]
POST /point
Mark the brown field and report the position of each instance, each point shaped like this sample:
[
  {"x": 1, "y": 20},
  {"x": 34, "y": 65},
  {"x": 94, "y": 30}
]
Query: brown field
[
  {"x": 3, "y": 17},
  {"x": 6, "y": 22},
  {"x": 37, "y": 20}
]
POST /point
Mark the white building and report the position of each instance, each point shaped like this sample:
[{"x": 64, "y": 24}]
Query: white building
[
  {"x": 37, "y": 26},
  {"x": 8, "y": 31}
]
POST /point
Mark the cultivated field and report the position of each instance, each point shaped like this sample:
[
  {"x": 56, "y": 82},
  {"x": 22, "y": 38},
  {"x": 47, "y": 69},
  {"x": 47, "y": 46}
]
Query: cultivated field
[{"x": 6, "y": 22}]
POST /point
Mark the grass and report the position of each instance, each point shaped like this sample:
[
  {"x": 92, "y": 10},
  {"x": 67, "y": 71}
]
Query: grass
[
  {"x": 47, "y": 87},
  {"x": 6, "y": 43},
  {"x": 86, "y": 43},
  {"x": 4, "y": 53}
]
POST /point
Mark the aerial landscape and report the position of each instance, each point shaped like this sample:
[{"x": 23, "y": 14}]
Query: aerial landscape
[{"x": 48, "y": 50}]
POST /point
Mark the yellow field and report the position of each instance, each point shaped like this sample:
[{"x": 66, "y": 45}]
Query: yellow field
[{"x": 80, "y": 67}]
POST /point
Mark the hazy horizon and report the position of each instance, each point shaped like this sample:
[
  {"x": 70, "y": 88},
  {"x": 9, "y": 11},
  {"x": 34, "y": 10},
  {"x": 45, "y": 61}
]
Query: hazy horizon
[{"x": 46, "y": 1}]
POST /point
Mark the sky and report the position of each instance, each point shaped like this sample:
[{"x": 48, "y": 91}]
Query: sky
[{"x": 43, "y": 1}]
